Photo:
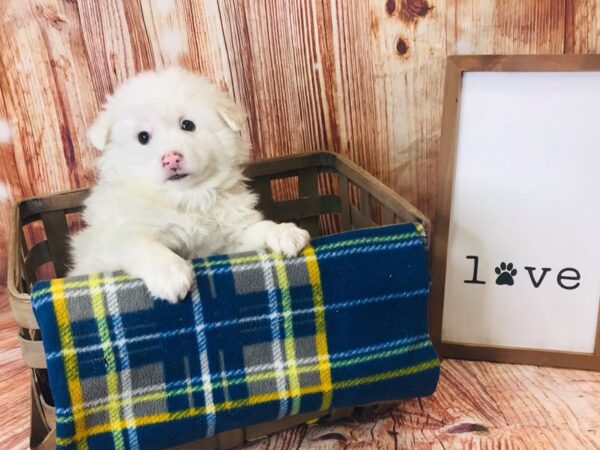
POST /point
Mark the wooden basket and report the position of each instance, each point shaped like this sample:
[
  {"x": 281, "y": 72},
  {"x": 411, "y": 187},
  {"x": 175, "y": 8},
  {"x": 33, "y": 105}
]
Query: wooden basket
[{"x": 323, "y": 192}]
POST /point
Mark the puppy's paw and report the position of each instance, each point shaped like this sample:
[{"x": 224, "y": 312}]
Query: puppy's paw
[
  {"x": 170, "y": 279},
  {"x": 287, "y": 238}
]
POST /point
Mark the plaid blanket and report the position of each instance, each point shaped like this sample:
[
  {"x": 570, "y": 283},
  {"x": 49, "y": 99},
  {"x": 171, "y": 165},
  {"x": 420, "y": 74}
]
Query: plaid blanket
[{"x": 259, "y": 337}]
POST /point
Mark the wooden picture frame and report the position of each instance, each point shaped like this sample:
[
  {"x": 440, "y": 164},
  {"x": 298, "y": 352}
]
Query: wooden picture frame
[{"x": 447, "y": 161}]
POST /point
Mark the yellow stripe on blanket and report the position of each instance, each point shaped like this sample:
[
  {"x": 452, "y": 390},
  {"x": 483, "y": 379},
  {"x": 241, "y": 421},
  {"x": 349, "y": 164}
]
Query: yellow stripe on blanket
[
  {"x": 288, "y": 327},
  {"x": 112, "y": 376},
  {"x": 321, "y": 333},
  {"x": 63, "y": 321}
]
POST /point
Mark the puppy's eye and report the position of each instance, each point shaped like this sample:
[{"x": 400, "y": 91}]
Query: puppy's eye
[
  {"x": 188, "y": 125},
  {"x": 143, "y": 137}
]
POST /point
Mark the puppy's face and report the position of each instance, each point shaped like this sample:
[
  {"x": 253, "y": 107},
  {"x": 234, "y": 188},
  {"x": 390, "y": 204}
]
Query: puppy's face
[{"x": 168, "y": 130}]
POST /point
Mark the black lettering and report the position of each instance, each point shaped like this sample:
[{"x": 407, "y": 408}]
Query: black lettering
[
  {"x": 537, "y": 283},
  {"x": 474, "y": 280},
  {"x": 575, "y": 277}
]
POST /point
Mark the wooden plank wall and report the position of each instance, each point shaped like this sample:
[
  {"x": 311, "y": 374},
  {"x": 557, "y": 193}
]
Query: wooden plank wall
[{"x": 360, "y": 77}]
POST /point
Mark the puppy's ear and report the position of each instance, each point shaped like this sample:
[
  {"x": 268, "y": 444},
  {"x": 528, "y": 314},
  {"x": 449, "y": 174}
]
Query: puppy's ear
[
  {"x": 231, "y": 113},
  {"x": 99, "y": 132}
]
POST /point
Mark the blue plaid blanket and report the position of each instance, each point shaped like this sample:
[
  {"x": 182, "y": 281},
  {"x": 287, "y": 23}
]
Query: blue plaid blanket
[{"x": 258, "y": 338}]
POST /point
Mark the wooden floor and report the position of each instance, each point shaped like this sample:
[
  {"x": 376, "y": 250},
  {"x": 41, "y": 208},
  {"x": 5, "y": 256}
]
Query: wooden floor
[{"x": 477, "y": 405}]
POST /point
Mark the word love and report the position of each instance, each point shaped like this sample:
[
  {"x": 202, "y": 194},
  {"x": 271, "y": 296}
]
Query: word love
[{"x": 567, "y": 278}]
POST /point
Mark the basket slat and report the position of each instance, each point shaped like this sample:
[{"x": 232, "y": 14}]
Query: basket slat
[
  {"x": 345, "y": 203},
  {"x": 33, "y": 353},
  {"x": 230, "y": 439},
  {"x": 261, "y": 430},
  {"x": 340, "y": 413},
  {"x": 67, "y": 201},
  {"x": 301, "y": 208},
  {"x": 209, "y": 443},
  {"x": 387, "y": 216},
  {"x": 262, "y": 186},
  {"x": 365, "y": 203},
  {"x": 308, "y": 186},
  {"x": 359, "y": 220},
  {"x": 23, "y": 314},
  {"x": 37, "y": 257},
  {"x": 42, "y": 435},
  {"x": 49, "y": 412},
  {"x": 57, "y": 231}
]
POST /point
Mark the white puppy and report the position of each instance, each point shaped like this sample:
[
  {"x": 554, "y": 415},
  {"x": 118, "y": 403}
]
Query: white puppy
[{"x": 170, "y": 185}]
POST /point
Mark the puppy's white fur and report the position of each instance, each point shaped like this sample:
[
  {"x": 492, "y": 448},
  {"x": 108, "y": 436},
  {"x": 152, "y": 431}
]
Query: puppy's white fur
[{"x": 139, "y": 220}]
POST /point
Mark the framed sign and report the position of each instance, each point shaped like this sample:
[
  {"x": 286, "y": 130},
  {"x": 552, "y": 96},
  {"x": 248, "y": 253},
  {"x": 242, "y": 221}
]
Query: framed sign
[{"x": 516, "y": 238}]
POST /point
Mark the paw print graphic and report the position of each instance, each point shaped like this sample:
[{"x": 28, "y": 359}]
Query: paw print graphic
[{"x": 506, "y": 273}]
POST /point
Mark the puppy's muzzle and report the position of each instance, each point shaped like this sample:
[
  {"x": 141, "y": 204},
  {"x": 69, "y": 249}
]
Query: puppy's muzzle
[{"x": 172, "y": 163}]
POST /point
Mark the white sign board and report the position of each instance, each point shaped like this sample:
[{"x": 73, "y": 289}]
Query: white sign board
[{"x": 523, "y": 257}]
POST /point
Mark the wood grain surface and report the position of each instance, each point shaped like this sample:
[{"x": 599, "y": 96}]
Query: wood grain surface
[
  {"x": 477, "y": 406},
  {"x": 359, "y": 77}
]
